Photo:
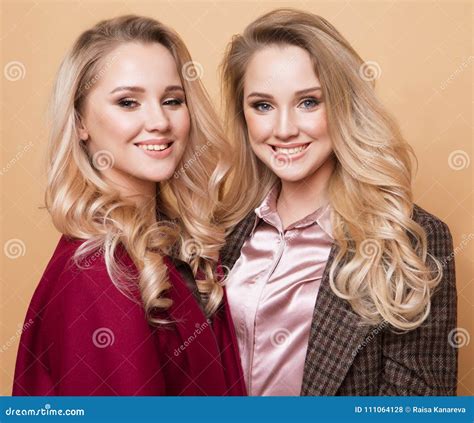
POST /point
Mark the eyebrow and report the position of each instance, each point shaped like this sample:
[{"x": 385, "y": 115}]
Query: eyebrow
[
  {"x": 300, "y": 92},
  {"x": 142, "y": 90}
]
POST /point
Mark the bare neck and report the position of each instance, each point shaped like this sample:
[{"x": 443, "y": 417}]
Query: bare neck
[{"x": 301, "y": 198}]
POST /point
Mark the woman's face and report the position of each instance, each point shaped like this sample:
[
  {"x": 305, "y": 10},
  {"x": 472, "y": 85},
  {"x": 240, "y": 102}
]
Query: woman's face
[
  {"x": 285, "y": 112},
  {"x": 135, "y": 120}
]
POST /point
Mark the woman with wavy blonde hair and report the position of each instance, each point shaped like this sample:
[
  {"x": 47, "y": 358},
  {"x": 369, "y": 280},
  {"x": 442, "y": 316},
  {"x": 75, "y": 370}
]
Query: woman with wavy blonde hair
[
  {"x": 132, "y": 186},
  {"x": 335, "y": 283}
]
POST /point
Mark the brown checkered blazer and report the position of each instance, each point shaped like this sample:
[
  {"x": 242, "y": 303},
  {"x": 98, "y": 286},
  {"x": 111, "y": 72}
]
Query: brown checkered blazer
[{"x": 344, "y": 358}]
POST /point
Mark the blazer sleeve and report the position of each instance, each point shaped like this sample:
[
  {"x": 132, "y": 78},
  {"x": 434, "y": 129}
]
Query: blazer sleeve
[{"x": 424, "y": 361}]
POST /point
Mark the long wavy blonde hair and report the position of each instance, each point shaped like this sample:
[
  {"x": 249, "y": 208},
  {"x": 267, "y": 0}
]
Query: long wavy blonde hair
[
  {"x": 382, "y": 266},
  {"x": 83, "y": 205}
]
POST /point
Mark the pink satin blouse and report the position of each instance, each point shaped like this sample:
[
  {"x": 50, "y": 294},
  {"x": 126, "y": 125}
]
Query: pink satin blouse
[{"x": 272, "y": 291}]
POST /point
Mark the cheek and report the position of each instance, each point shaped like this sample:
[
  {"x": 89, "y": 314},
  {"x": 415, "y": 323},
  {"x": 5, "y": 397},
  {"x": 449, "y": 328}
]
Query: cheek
[
  {"x": 181, "y": 123},
  {"x": 316, "y": 127},
  {"x": 259, "y": 127},
  {"x": 112, "y": 125}
]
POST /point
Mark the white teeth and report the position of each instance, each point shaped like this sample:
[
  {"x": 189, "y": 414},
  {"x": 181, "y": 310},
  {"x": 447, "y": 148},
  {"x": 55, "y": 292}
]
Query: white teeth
[
  {"x": 153, "y": 147},
  {"x": 293, "y": 150}
]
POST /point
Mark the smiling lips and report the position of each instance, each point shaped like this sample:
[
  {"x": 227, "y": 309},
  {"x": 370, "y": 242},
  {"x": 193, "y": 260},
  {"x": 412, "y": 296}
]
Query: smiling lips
[
  {"x": 290, "y": 150},
  {"x": 158, "y": 148},
  {"x": 151, "y": 147},
  {"x": 154, "y": 145}
]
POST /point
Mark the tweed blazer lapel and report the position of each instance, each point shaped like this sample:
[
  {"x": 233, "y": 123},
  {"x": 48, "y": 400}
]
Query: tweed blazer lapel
[
  {"x": 336, "y": 335},
  {"x": 336, "y": 332},
  {"x": 234, "y": 241}
]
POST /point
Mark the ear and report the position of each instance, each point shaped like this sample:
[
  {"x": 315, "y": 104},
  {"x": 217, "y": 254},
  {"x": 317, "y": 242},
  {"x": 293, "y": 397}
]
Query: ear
[{"x": 82, "y": 130}]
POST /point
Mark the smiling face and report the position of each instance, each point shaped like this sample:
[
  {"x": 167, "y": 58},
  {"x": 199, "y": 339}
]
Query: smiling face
[
  {"x": 285, "y": 113},
  {"x": 135, "y": 121}
]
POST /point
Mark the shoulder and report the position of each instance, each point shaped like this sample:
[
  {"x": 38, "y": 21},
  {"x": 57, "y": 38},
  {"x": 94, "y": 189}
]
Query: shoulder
[
  {"x": 85, "y": 285},
  {"x": 428, "y": 220},
  {"x": 437, "y": 232},
  {"x": 440, "y": 246}
]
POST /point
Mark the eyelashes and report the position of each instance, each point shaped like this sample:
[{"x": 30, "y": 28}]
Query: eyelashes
[
  {"x": 308, "y": 103},
  {"x": 262, "y": 106},
  {"x": 313, "y": 102},
  {"x": 132, "y": 103},
  {"x": 128, "y": 103},
  {"x": 173, "y": 102}
]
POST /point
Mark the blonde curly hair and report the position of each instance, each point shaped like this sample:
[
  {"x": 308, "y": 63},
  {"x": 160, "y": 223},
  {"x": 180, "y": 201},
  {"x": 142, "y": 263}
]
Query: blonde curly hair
[
  {"x": 84, "y": 206},
  {"x": 382, "y": 266}
]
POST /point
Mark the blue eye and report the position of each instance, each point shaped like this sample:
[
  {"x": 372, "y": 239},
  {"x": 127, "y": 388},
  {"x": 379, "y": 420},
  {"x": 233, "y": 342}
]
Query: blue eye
[
  {"x": 128, "y": 103},
  {"x": 310, "y": 103},
  {"x": 262, "y": 107}
]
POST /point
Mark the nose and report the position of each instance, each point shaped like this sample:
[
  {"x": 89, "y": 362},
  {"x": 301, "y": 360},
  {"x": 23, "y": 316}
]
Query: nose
[
  {"x": 157, "y": 120},
  {"x": 285, "y": 127}
]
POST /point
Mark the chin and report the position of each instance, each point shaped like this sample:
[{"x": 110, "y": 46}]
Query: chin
[
  {"x": 158, "y": 175},
  {"x": 290, "y": 177},
  {"x": 162, "y": 177}
]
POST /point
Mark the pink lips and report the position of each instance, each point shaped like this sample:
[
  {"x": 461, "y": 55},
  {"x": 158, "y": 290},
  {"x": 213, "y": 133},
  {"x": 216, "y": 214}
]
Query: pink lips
[
  {"x": 290, "y": 157},
  {"x": 156, "y": 154}
]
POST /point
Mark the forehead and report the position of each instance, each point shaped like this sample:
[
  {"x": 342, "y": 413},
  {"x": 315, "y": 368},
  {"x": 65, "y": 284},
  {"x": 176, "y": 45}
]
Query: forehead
[
  {"x": 280, "y": 68},
  {"x": 139, "y": 62}
]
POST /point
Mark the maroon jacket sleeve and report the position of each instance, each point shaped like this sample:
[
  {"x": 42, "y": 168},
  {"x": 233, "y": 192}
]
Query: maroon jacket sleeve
[{"x": 87, "y": 338}]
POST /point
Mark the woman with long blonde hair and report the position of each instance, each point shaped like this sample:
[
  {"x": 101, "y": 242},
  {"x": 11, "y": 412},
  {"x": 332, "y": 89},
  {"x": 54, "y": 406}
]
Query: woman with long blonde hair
[
  {"x": 337, "y": 282},
  {"x": 132, "y": 186}
]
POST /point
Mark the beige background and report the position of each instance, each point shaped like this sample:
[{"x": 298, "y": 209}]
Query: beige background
[{"x": 423, "y": 48}]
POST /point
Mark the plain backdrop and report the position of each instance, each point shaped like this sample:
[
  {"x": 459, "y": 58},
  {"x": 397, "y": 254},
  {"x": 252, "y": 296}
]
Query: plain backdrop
[{"x": 423, "y": 50}]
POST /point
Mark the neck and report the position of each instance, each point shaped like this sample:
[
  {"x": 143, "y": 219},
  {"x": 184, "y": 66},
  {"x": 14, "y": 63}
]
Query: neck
[{"x": 301, "y": 198}]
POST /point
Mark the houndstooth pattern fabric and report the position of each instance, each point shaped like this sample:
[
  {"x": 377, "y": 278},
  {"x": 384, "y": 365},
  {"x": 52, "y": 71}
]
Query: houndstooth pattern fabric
[{"x": 346, "y": 358}]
